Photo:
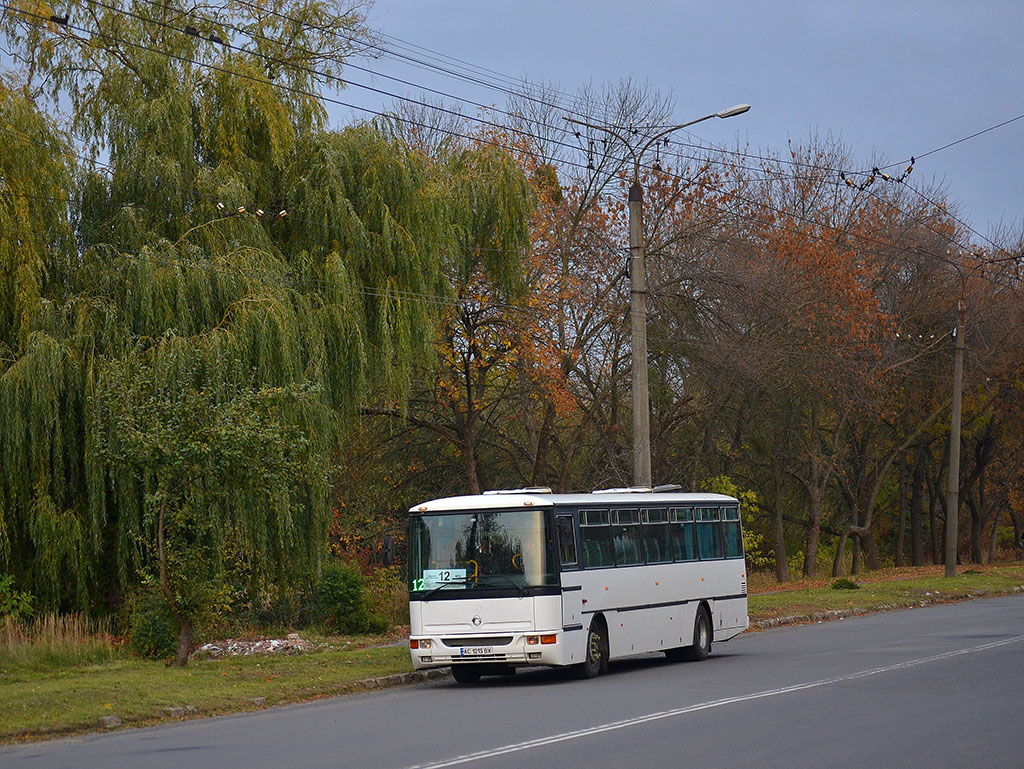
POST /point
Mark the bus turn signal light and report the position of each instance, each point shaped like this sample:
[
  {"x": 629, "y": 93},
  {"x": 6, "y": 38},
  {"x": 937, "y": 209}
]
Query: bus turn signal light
[
  {"x": 414, "y": 644},
  {"x": 548, "y": 639}
]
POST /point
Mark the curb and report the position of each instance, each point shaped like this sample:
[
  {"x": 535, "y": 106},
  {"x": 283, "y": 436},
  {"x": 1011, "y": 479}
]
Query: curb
[
  {"x": 399, "y": 679},
  {"x": 818, "y": 616}
]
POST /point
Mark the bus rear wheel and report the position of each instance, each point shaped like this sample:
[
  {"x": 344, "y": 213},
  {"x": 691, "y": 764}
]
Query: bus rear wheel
[
  {"x": 466, "y": 674},
  {"x": 701, "y": 647},
  {"x": 701, "y": 638}
]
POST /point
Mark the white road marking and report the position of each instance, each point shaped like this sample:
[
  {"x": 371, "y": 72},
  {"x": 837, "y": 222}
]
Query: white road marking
[{"x": 638, "y": 720}]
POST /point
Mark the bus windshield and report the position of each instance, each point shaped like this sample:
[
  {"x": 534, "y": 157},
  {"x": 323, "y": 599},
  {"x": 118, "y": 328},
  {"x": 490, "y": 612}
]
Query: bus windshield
[{"x": 476, "y": 549}]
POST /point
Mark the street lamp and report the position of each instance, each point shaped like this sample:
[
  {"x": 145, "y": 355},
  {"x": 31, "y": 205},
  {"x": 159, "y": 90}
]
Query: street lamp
[{"x": 638, "y": 293}]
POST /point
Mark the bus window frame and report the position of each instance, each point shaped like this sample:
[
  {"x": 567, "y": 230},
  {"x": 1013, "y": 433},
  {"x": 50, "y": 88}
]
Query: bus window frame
[
  {"x": 715, "y": 523},
  {"x": 684, "y": 516},
  {"x": 646, "y": 525},
  {"x": 573, "y": 527},
  {"x": 738, "y": 521},
  {"x": 585, "y": 523},
  {"x": 628, "y": 520}
]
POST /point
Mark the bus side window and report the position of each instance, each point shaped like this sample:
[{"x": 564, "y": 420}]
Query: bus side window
[
  {"x": 596, "y": 539},
  {"x": 626, "y": 526},
  {"x": 709, "y": 533},
  {"x": 681, "y": 527},
  {"x": 731, "y": 532},
  {"x": 566, "y": 541},
  {"x": 655, "y": 535}
]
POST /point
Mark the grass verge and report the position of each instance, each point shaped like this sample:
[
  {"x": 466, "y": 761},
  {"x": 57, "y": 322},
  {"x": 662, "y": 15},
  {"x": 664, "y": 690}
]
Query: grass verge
[
  {"x": 141, "y": 692},
  {"x": 773, "y": 604},
  {"x": 70, "y": 694}
]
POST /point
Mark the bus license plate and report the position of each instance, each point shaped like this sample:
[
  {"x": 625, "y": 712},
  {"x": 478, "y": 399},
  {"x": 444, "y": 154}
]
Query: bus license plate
[{"x": 474, "y": 651}]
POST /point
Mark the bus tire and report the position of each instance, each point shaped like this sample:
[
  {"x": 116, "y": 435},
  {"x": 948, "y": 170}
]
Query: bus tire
[
  {"x": 701, "y": 647},
  {"x": 595, "y": 660},
  {"x": 676, "y": 654},
  {"x": 466, "y": 674}
]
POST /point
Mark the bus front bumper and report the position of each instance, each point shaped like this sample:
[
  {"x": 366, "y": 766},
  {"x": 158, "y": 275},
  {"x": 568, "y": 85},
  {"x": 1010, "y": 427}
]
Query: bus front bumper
[{"x": 516, "y": 650}]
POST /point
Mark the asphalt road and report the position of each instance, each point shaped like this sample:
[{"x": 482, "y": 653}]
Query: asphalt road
[{"x": 934, "y": 687}]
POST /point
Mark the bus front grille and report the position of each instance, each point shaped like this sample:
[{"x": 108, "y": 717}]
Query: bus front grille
[
  {"x": 496, "y": 640},
  {"x": 455, "y": 659}
]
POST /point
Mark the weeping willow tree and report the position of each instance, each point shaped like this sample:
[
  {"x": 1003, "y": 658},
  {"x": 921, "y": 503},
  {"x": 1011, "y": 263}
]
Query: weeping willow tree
[
  {"x": 44, "y": 527},
  {"x": 199, "y": 357}
]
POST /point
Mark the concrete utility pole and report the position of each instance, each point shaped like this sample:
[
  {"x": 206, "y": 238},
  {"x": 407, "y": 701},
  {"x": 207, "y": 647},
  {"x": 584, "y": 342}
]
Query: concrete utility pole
[
  {"x": 638, "y": 292},
  {"x": 953, "y": 489}
]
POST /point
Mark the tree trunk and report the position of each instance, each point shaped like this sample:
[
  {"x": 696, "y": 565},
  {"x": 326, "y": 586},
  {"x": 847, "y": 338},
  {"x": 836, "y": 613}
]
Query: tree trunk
[
  {"x": 837, "y": 563},
  {"x": 184, "y": 623},
  {"x": 184, "y": 640},
  {"x": 1017, "y": 533},
  {"x": 540, "y": 457},
  {"x": 469, "y": 457},
  {"x": 977, "y": 524},
  {"x": 779, "y": 542},
  {"x": 938, "y": 500},
  {"x": 994, "y": 539},
  {"x": 916, "y": 509},
  {"x": 901, "y": 526},
  {"x": 813, "y": 537},
  {"x": 778, "y": 530},
  {"x": 817, "y": 482},
  {"x": 870, "y": 548}
]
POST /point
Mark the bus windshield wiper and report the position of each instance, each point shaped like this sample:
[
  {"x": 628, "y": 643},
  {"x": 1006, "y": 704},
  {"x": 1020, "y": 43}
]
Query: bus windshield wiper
[
  {"x": 508, "y": 581},
  {"x": 446, "y": 583}
]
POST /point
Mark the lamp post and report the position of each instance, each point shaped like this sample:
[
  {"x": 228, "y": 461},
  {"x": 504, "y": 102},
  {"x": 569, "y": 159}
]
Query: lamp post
[{"x": 638, "y": 292}]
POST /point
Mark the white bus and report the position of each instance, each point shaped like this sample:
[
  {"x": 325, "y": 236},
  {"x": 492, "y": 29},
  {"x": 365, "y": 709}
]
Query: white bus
[{"x": 507, "y": 579}]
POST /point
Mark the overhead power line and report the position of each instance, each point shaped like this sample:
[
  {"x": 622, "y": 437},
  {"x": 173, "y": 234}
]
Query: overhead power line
[
  {"x": 961, "y": 140},
  {"x": 64, "y": 22}
]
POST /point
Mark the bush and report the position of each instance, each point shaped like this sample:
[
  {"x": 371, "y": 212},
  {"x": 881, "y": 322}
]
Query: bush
[
  {"x": 1006, "y": 538},
  {"x": 278, "y": 607},
  {"x": 153, "y": 631},
  {"x": 15, "y": 604},
  {"x": 845, "y": 584},
  {"x": 387, "y": 596},
  {"x": 341, "y": 604}
]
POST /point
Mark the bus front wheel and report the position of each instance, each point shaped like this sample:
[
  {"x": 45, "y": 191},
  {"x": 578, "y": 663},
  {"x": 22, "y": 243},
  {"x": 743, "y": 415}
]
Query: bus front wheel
[
  {"x": 466, "y": 674},
  {"x": 595, "y": 660}
]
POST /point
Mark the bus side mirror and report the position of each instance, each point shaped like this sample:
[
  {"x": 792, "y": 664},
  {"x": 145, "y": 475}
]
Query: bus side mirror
[{"x": 388, "y": 550}]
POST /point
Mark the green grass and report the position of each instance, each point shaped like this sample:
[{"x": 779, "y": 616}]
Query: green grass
[
  {"x": 137, "y": 691},
  {"x": 52, "y": 643},
  {"x": 58, "y": 677},
  {"x": 884, "y": 590}
]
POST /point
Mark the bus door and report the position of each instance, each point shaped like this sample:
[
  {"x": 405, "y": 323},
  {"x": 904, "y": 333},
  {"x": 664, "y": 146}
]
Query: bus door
[{"x": 572, "y": 594}]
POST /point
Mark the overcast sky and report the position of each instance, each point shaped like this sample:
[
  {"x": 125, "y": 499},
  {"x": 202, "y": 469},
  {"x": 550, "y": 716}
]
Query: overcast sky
[{"x": 889, "y": 78}]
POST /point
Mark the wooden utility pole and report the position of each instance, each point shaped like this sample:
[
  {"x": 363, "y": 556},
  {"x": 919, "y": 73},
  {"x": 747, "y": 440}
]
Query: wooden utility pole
[{"x": 953, "y": 490}]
